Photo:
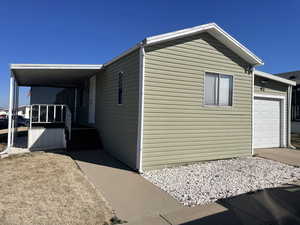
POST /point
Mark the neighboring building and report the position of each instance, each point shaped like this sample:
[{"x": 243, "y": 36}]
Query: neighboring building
[
  {"x": 181, "y": 97},
  {"x": 3, "y": 112},
  {"x": 24, "y": 111},
  {"x": 294, "y": 76}
]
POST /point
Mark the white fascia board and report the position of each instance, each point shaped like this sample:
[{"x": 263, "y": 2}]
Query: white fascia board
[
  {"x": 273, "y": 77},
  {"x": 215, "y": 31},
  {"x": 140, "y": 137},
  {"x": 177, "y": 34},
  {"x": 55, "y": 66}
]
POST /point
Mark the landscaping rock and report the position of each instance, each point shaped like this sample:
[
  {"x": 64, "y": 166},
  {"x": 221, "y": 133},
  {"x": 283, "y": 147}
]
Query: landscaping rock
[{"x": 203, "y": 183}]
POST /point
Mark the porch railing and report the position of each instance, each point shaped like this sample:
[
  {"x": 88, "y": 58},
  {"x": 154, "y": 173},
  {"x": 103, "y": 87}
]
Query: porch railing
[{"x": 51, "y": 114}]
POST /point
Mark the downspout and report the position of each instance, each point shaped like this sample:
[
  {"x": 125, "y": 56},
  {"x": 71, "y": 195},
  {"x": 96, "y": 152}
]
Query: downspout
[
  {"x": 10, "y": 114},
  {"x": 289, "y": 118},
  {"x": 252, "y": 116},
  {"x": 139, "y": 158}
]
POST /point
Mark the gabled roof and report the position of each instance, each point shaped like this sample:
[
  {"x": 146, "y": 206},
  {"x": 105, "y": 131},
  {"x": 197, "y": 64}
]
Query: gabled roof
[
  {"x": 213, "y": 29},
  {"x": 274, "y": 77},
  {"x": 217, "y": 32}
]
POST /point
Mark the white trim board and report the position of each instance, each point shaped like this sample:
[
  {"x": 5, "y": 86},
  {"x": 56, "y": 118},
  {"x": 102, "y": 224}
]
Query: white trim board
[
  {"x": 273, "y": 77},
  {"x": 212, "y": 28},
  {"x": 139, "y": 151},
  {"x": 55, "y": 66},
  {"x": 215, "y": 31},
  {"x": 283, "y": 116},
  {"x": 252, "y": 111}
]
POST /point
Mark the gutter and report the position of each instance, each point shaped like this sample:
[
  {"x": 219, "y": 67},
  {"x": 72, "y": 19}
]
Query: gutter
[
  {"x": 252, "y": 108},
  {"x": 289, "y": 117}
]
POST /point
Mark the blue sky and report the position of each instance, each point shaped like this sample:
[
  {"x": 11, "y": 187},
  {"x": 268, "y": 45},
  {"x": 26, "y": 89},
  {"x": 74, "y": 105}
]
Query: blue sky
[{"x": 93, "y": 32}]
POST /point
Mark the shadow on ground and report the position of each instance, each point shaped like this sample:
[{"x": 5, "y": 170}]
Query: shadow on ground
[
  {"x": 296, "y": 140},
  {"x": 274, "y": 206},
  {"x": 98, "y": 157}
]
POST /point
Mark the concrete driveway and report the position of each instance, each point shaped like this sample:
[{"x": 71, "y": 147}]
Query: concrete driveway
[
  {"x": 141, "y": 203},
  {"x": 283, "y": 155}
]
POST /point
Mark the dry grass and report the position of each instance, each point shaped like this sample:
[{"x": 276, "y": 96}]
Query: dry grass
[
  {"x": 44, "y": 188},
  {"x": 2, "y": 146}
]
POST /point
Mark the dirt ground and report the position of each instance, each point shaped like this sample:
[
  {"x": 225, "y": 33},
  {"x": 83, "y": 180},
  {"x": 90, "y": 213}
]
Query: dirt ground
[
  {"x": 296, "y": 140},
  {"x": 2, "y": 146},
  {"x": 47, "y": 188}
]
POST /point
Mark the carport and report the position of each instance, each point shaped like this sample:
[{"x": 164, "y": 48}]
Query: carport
[{"x": 42, "y": 75}]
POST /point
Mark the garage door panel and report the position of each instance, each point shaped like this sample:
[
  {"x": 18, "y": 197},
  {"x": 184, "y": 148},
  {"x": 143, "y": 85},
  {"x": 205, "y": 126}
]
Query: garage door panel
[{"x": 266, "y": 123}]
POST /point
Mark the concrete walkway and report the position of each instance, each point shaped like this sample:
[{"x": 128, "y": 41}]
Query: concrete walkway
[
  {"x": 141, "y": 203},
  {"x": 129, "y": 194},
  {"x": 284, "y": 155}
]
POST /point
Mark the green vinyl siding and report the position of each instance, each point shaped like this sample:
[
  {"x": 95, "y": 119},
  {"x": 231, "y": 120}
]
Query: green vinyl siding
[
  {"x": 118, "y": 124},
  {"x": 271, "y": 87},
  {"x": 178, "y": 127}
]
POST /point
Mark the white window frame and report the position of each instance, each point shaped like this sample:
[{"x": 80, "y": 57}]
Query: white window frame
[{"x": 217, "y": 91}]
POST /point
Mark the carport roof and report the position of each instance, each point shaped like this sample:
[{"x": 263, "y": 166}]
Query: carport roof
[
  {"x": 274, "y": 77},
  {"x": 53, "y": 75}
]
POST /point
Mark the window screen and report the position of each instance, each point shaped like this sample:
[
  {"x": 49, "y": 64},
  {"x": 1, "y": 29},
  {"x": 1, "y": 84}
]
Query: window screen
[{"x": 218, "y": 89}]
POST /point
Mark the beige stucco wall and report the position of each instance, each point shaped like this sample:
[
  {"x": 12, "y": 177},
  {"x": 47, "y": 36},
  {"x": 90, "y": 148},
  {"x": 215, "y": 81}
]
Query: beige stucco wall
[{"x": 178, "y": 127}]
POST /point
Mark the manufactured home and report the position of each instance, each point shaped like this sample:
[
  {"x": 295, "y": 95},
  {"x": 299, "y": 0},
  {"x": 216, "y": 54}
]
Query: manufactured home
[{"x": 176, "y": 98}]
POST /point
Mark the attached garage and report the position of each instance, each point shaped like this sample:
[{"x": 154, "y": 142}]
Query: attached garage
[
  {"x": 268, "y": 116},
  {"x": 271, "y": 117}
]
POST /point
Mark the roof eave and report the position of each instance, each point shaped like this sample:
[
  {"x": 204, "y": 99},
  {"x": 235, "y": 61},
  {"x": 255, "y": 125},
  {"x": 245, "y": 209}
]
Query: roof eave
[
  {"x": 273, "y": 77},
  {"x": 215, "y": 31},
  {"x": 56, "y": 66}
]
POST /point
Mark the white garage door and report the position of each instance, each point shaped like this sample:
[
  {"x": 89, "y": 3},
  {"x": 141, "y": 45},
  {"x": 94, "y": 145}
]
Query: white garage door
[{"x": 266, "y": 123}]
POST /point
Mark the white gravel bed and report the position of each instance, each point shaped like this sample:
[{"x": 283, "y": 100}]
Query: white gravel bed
[{"x": 202, "y": 183}]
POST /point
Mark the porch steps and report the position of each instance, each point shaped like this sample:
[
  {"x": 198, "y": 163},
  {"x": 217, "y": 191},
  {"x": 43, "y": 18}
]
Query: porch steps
[{"x": 84, "y": 139}]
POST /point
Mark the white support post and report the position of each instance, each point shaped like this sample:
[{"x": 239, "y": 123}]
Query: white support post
[
  {"x": 39, "y": 114},
  {"x": 10, "y": 112},
  {"x": 17, "y": 109},
  {"x": 47, "y": 113},
  {"x": 54, "y": 113},
  {"x": 14, "y": 113},
  {"x": 30, "y": 116}
]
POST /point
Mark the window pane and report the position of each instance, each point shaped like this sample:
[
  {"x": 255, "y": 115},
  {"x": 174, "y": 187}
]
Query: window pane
[
  {"x": 210, "y": 88},
  {"x": 225, "y": 90}
]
